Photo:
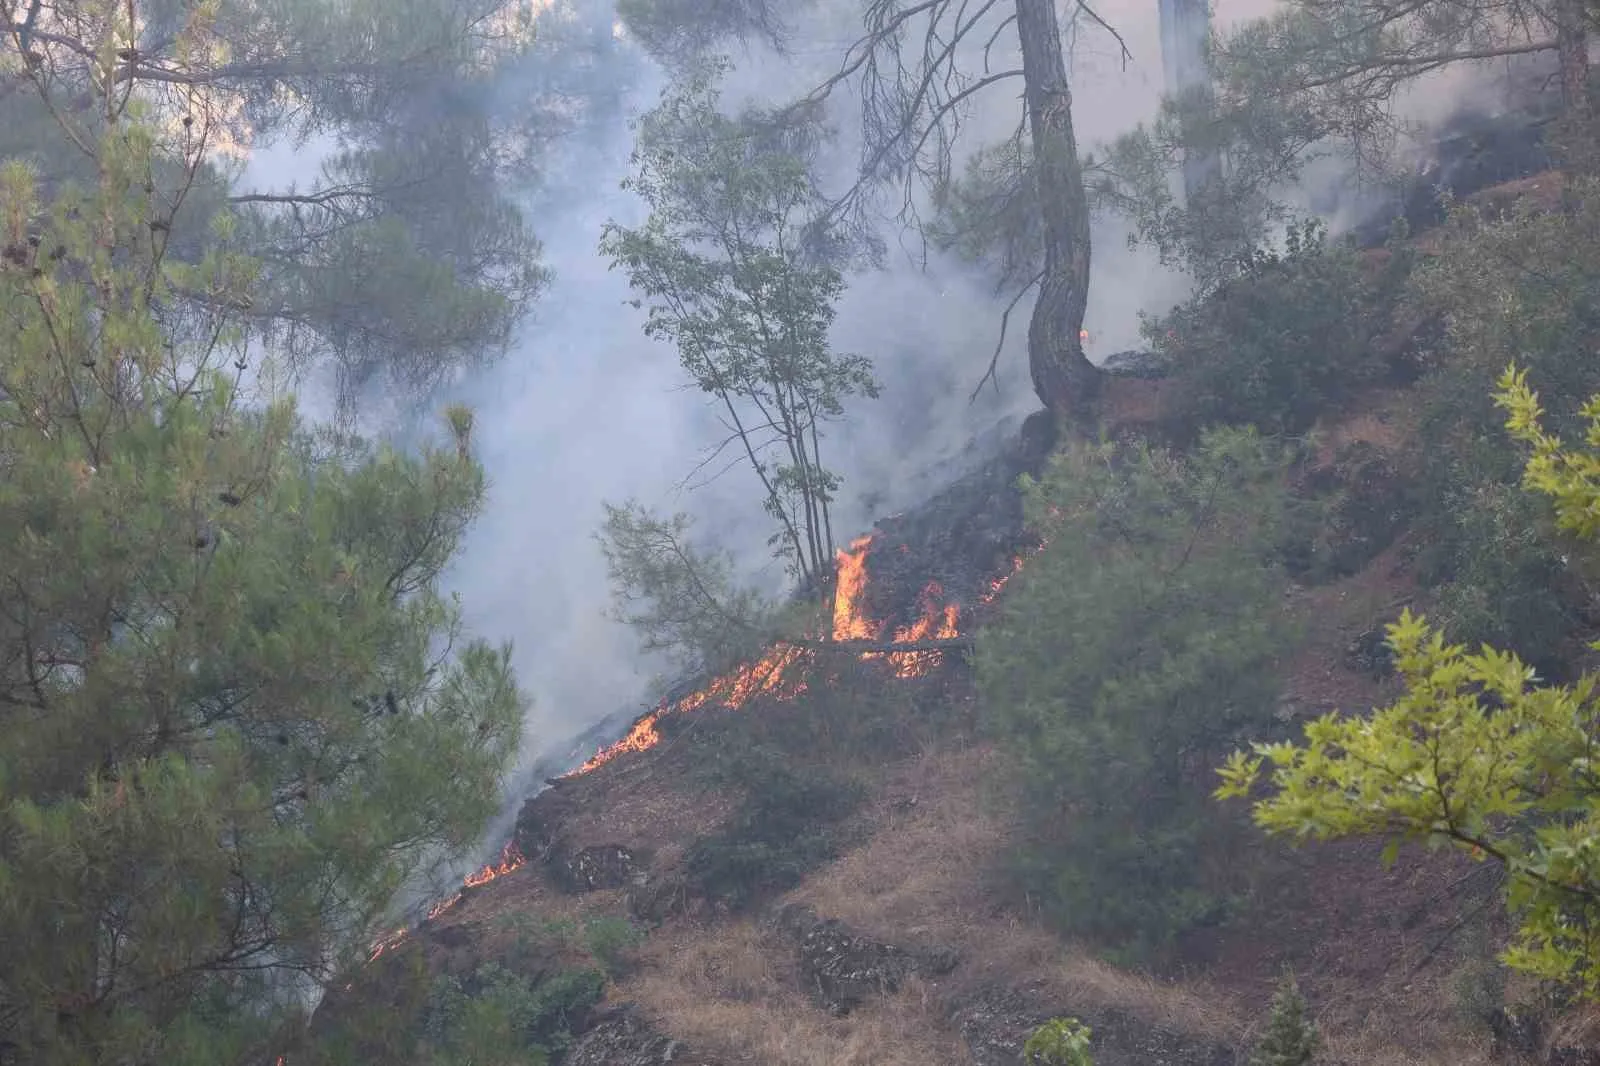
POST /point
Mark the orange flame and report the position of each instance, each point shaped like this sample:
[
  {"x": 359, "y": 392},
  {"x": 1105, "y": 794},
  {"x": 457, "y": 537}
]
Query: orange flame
[
  {"x": 388, "y": 942},
  {"x": 510, "y": 859},
  {"x": 769, "y": 675}
]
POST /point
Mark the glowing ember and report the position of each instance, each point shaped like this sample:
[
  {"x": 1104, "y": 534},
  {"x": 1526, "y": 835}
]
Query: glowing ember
[
  {"x": 442, "y": 906},
  {"x": 388, "y": 942}
]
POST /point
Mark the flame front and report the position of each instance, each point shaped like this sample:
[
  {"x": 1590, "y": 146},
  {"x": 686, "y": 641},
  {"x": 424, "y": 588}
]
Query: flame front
[
  {"x": 510, "y": 859},
  {"x": 772, "y": 674}
]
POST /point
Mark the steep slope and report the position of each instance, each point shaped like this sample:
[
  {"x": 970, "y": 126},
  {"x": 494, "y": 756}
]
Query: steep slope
[{"x": 812, "y": 847}]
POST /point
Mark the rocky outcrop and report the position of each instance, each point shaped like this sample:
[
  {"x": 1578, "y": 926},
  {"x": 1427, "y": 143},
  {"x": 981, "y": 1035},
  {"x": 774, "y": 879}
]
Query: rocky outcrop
[
  {"x": 843, "y": 968},
  {"x": 622, "y": 1038},
  {"x": 997, "y": 1022},
  {"x": 593, "y": 868}
]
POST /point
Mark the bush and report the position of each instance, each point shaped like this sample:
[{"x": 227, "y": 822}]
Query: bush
[
  {"x": 611, "y": 941},
  {"x": 1524, "y": 288},
  {"x": 500, "y": 1016},
  {"x": 779, "y": 832},
  {"x": 1291, "y": 1038},
  {"x": 1141, "y": 638},
  {"x": 1059, "y": 1042},
  {"x": 1286, "y": 340}
]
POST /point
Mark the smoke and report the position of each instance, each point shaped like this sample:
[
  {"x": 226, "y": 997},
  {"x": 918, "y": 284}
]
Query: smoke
[{"x": 586, "y": 409}]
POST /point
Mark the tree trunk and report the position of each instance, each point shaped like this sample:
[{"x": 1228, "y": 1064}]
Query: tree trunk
[
  {"x": 1063, "y": 377},
  {"x": 1577, "y": 126},
  {"x": 1572, "y": 46}
]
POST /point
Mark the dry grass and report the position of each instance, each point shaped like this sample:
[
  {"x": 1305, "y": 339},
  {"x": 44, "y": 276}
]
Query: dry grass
[
  {"x": 923, "y": 878},
  {"x": 731, "y": 990}
]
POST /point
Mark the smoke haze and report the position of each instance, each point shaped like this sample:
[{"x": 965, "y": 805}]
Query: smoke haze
[{"x": 586, "y": 409}]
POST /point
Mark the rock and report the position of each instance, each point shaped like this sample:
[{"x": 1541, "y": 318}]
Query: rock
[
  {"x": 654, "y": 901},
  {"x": 1369, "y": 653},
  {"x": 844, "y": 968},
  {"x": 997, "y": 1022},
  {"x": 1566, "y": 1055},
  {"x": 1516, "y": 1032},
  {"x": 1150, "y": 366},
  {"x": 597, "y": 867},
  {"x": 622, "y": 1038}
]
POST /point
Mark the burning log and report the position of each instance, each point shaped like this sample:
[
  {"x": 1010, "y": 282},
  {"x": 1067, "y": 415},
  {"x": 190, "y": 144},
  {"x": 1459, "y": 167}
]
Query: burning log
[{"x": 878, "y": 647}]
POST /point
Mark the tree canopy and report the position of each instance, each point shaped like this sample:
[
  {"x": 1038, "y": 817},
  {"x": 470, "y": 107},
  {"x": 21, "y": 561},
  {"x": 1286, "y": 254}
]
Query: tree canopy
[
  {"x": 238, "y": 711},
  {"x": 735, "y": 280},
  {"x": 403, "y": 258}
]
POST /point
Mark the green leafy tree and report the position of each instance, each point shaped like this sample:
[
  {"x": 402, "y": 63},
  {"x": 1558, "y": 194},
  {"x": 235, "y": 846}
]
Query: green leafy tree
[
  {"x": 725, "y": 264},
  {"x": 682, "y": 600},
  {"x": 1059, "y": 1042},
  {"x": 1291, "y": 1038},
  {"x": 236, "y": 711},
  {"x": 1143, "y": 635},
  {"x": 403, "y": 257},
  {"x": 1476, "y": 755},
  {"x": 917, "y": 70}
]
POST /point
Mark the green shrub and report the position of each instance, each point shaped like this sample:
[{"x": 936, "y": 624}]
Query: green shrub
[
  {"x": 1523, "y": 288},
  {"x": 1291, "y": 1038},
  {"x": 1059, "y": 1042},
  {"x": 1144, "y": 636},
  {"x": 611, "y": 941},
  {"x": 1286, "y": 340}
]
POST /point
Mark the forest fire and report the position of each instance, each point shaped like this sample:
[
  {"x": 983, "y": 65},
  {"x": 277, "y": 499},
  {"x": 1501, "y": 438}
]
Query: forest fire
[
  {"x": 510, "y": 859},
  {"x": 773, "y": 674}
]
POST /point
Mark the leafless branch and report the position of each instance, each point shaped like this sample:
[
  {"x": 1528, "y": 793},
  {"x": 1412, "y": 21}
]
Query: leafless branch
[{"x": 1005, "y": 319}]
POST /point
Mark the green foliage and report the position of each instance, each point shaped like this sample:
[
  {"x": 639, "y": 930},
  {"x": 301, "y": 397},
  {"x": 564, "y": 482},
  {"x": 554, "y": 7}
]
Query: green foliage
[
  {"x": 1159, "y": 578},
  {"x": 1291, "y": 1038},
  {"x": 778, "y": 833},
  {"x": 1280, "y": 344},
  {"x": 1059, "y": 1042},
  {"x": 682, "y": 31},
  {"x": 501, "y": 1018},
  {"x": 1517, "y": 287},
  {"x": 405, "y": 257},
  {"x": 728, "y": 262},
  {"x": 611, "y": 941},
  {"x": 1475, "y": 754},
  {"x": 1309, "y": 85},
  {"x": 682, "y": 600},
  {"x": 236, "y": 710}
]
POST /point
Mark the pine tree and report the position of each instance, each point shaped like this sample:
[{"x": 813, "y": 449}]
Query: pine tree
[
  {"x": 1291, "y": 1038},
  {"x": 236, "y": 711}
]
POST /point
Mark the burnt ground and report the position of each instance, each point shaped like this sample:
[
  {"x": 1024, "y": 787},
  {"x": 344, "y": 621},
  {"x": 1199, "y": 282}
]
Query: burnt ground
[{"x": 867, "y": 926}]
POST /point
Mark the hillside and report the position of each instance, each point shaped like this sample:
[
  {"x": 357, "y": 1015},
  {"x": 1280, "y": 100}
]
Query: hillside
[{"x": 802, "y": 863}]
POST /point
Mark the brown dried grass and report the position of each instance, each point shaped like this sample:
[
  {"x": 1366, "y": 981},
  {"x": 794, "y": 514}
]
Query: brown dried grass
[{"x": 731, "y": 989}]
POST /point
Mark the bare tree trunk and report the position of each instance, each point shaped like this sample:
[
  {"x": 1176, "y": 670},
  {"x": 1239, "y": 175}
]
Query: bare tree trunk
[{"x": 1063, "y": 377}]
